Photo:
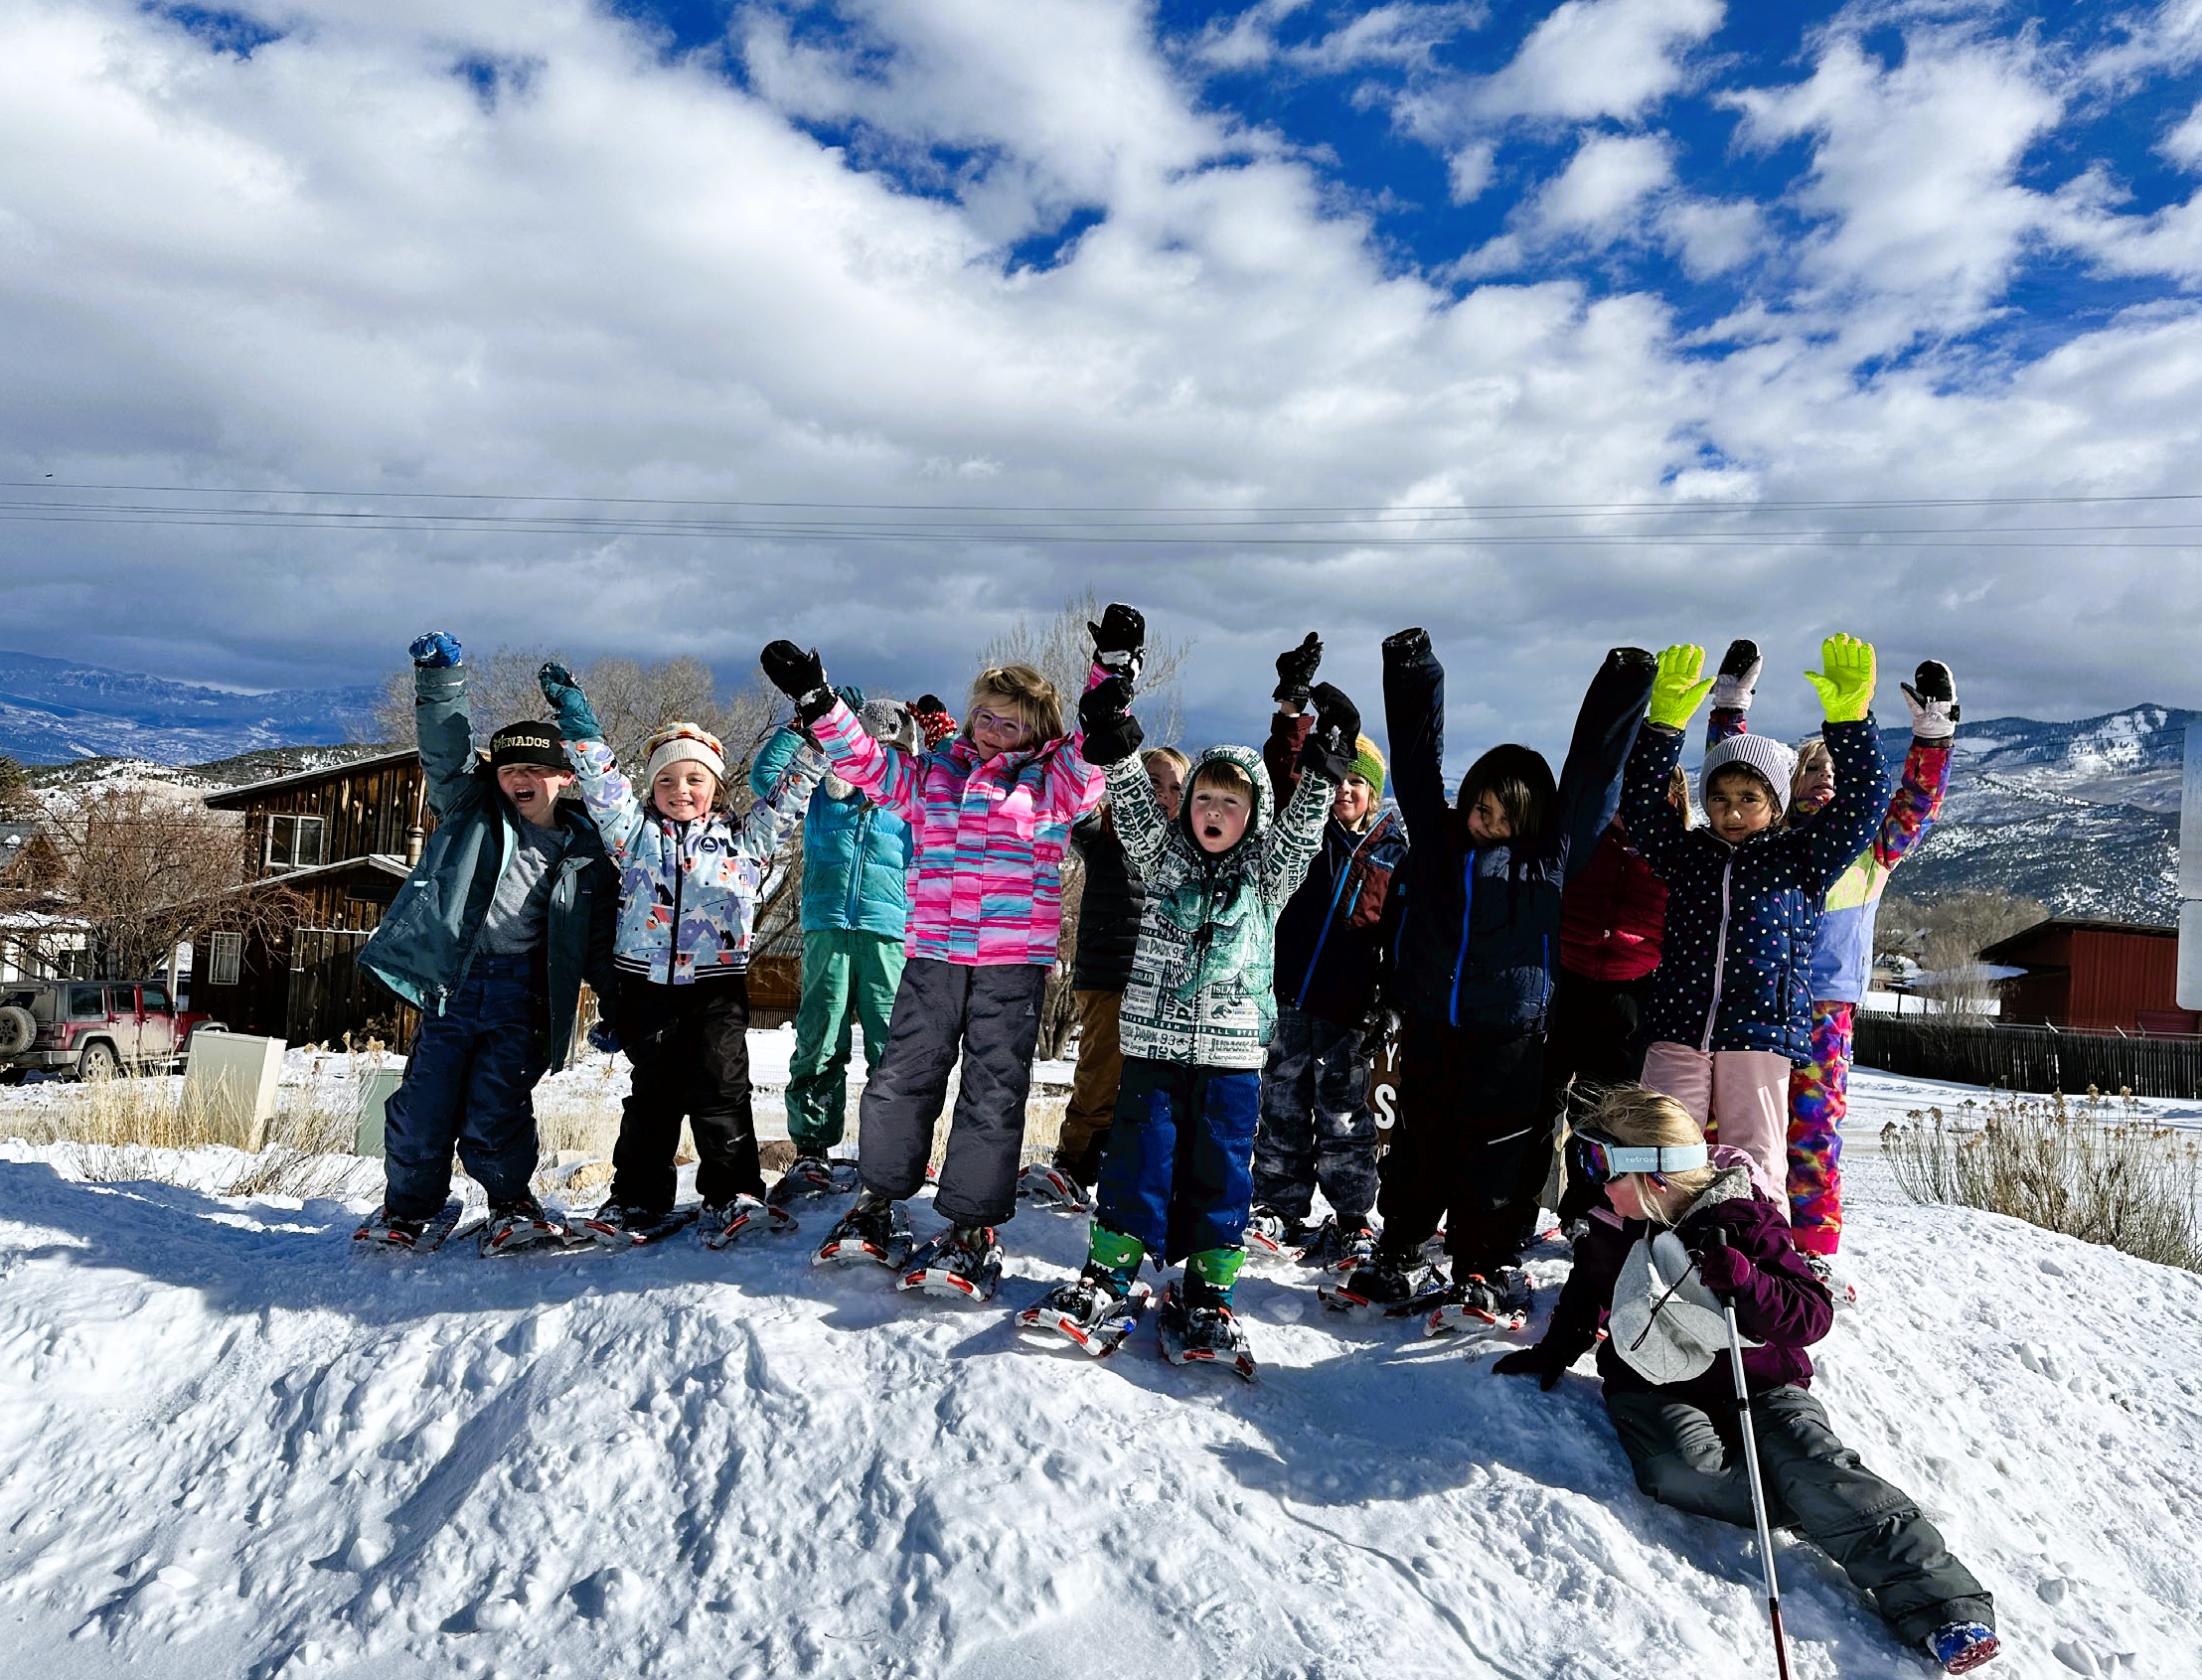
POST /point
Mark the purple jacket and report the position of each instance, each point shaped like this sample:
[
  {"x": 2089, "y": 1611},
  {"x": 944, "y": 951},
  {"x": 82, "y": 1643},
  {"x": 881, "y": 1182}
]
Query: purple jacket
[{"x": 1782, "y": 1305}]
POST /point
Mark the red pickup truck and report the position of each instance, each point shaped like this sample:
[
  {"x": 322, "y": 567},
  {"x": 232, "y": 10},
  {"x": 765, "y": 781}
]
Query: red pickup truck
[{"x": 92, "y": 1028}]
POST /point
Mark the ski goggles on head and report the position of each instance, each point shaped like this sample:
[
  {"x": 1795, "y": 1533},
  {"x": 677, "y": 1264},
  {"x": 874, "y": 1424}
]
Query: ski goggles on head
[{"x": 1602, "y": 1159}]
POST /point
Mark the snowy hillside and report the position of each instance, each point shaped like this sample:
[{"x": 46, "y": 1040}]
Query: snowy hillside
[
  {"x": 234, "y": 1447},
  {"x": 55, "y": 711}
]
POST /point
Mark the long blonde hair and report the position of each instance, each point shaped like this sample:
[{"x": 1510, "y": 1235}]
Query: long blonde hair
[
  {"x": 1023, "y": 689},
  {"x": 1645, "y": 1119}
]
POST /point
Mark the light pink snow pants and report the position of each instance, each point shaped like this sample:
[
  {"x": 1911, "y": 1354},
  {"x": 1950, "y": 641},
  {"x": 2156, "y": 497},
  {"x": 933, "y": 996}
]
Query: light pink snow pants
[{"x": 1740, "y": 1098}]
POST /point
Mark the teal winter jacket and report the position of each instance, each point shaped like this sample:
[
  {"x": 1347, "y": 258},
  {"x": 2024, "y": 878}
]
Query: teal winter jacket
[
  {"x": 856, "y": 855},
  {"x": 425, "y": 944}
]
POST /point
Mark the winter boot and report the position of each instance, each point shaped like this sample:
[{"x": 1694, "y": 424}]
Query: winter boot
[
  {"x": 1345, "y": 1243},
  {"x": 963, "y": 1260},
  {"x": 1388, "y": 1284},
  {"x": 876, "y": 1229},
  {"x": 1271, "y": 1232},
  {"x": 1053, "y": 1184},
  {"x": 384, "y": 1234},
  {"x": 519, "y": 1224},
  {"x": 613, "y": 1225},
  {"x": 1097, "y": 1310},
  {"x": 1197, "y": 1326},
  {"x": 807, "y": 1175},
  {"x": 1496, "y": 1299},
  {"x": 742, "y": 1217},
  {"x": 1961, "y": 1646}
]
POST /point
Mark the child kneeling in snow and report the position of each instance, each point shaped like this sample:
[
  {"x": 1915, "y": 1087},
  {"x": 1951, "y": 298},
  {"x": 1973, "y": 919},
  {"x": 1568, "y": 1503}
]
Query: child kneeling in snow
[
  {"x": 689, "y": 883},
  {"x": 1177, "y": 1181},
  {"x": 1668, "y": 1384}
]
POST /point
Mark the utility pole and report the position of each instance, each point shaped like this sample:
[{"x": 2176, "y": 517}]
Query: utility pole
[{"x": 2190, "y": 875}]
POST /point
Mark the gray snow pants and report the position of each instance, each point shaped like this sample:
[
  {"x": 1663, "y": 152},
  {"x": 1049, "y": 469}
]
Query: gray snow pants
[
  {"x": 1317, "y": 1126},
  {"x": 1685, "y": 1458},
  {"x": 991, "y": 1013}
]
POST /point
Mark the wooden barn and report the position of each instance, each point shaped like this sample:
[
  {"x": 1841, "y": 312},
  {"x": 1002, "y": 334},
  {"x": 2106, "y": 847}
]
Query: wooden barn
[
  {"x": 341, "y": 840},
  {"x": 2094, "y": 977}
]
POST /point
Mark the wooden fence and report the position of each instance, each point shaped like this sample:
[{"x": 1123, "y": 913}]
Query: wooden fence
[{"x": 2029, "y": 1058}]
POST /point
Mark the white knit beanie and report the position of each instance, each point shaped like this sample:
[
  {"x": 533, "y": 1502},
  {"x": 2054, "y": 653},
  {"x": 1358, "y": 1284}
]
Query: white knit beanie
[
  {"x": 1762, "y": 753},
  {"x": 678, "y": 741}
]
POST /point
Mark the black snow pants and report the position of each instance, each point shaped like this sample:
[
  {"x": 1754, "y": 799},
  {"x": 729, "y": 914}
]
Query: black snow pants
[
  {"x": 1686, "y": 1457},
  {"x": 991, "y": 1014},
  {"x": 690, "y": 1046}
]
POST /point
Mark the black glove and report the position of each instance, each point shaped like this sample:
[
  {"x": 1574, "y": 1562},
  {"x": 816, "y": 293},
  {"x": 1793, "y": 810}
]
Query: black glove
[
  {"x": 1538, "y": 1362},
  {"x": 1633, "y": 659},
  {"x": 1112, "y": 733},
  {"x": 1329, "y": 747},
  {"x": 1296, "y": 668},
  {"x": 1407, "y": 644},
  {"x": 1119, "y": 639},
  {"x": 1932, "y": 693},
  {"x": 799, "y": 676},
  {"x": 1738, "y": 676}
]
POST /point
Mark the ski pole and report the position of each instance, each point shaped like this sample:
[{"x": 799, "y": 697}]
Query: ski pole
[{"x": 1718, "y": 1239}]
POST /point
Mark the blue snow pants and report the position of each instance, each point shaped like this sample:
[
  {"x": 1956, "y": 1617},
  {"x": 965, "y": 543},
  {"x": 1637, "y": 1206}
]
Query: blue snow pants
[
  {"x": 1178, "y": 1171},
  {"x": 470, "y": 1081}
]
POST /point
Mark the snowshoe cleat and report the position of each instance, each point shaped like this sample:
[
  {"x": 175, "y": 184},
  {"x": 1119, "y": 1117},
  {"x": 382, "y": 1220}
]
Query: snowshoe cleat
[
  {"x": 876, "y": 1229},
  {"x": 1198, "y": 1327},
  {"x": 1097, "y": 1311},
  {"x": 1051, "y": 1184},
  {"x": 812, "y": 1175},
  {"x": 1497, "y": 1301},
  {"x": 615, "y": 1226},
  {"x": 1842, "y": 1288},
  {"x": 1388, "y": 1284},
  {"x": 387, "y": 1235},
  {"x": 964, "y": 1261},
  {"x": 1341, "y": 1247},
  {"x": 518, "y": 1226},
  {"x": 1271, "y": 1232},
  {"x": 1961, "y": 1646},
  {"x": 742, "y": 1217}
]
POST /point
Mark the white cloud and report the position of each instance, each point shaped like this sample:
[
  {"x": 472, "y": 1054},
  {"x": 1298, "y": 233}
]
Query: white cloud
[
  {"x": 1599, "y": 58},
  {"x": 2183, "y": 144},
  {"x": 330, "y": 265}
]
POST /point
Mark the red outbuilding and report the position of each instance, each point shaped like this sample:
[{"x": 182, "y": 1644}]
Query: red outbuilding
[{"x": 2096, "y": 977}]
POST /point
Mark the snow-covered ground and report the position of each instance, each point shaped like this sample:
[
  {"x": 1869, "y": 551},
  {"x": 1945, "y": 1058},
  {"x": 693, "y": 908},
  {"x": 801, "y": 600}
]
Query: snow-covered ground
[{"x": 232, "y": 1446}]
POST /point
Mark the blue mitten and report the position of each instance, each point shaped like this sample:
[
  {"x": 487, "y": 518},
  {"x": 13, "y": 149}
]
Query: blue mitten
[{"x": 437, "y": 649}]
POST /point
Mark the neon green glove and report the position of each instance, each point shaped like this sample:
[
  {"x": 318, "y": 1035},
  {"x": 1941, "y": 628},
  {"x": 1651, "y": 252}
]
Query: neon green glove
[
  {"x": 1675, "y": 690},
  {"x": 1844, "y": 680}
]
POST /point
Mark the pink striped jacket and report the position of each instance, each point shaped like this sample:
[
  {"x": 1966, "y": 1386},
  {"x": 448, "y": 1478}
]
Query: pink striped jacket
[{"x": 989, "y": 838}]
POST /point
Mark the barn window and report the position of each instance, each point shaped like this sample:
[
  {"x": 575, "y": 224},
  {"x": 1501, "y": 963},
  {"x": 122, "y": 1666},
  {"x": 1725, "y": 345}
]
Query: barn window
[
  {"x": 294, "y": 842},
  {"x": 225, "y": 958}
]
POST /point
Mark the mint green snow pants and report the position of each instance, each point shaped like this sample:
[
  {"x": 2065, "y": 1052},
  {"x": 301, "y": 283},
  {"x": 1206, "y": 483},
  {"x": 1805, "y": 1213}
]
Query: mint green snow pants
[{"x": 847, "y": 978}]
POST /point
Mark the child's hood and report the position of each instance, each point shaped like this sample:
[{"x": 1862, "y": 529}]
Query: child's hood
[{"x": 1248, "y": 760}]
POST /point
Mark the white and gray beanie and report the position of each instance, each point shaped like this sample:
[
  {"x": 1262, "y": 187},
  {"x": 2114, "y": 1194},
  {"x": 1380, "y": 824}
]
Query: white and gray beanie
[
  {"x": 1762, "y": 753},
  {"x": 889, "y": 723}
]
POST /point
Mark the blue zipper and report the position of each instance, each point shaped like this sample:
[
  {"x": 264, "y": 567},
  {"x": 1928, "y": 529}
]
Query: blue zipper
[
  {"x": 1460, "y": 962},
  {"x": 1345, "y": 874}
]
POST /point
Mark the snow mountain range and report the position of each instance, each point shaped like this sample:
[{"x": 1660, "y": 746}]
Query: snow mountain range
[{"x": 53, "y": 711}]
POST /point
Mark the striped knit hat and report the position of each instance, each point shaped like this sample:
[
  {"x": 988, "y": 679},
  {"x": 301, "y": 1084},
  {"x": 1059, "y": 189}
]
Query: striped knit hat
[
  {"x": 1368, "y": 765},
  {"x": 678, "y": 741}
]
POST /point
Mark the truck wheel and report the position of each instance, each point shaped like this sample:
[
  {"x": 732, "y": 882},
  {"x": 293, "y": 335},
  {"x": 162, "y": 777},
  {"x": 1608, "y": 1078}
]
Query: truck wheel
[{"x": 98, "y": 1061}]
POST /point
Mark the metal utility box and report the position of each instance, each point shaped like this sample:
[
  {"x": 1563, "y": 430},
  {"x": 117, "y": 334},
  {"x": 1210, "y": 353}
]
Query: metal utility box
[{"x": 232, "y": 1079}]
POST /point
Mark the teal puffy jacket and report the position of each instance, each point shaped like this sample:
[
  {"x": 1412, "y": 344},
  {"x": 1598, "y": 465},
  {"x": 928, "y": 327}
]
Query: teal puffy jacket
[
  {"x": 424, "y": 945},
  {"x": 856, "y": 855}
]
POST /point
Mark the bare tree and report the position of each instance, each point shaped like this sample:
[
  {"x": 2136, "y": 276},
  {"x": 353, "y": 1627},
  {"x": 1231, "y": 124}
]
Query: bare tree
[
  {"x": 1061, "y": 648},
  {"x": 15, "y": 790},
  {"x": 150, "y": 873},
  {"x": 1946, "y": 935}
]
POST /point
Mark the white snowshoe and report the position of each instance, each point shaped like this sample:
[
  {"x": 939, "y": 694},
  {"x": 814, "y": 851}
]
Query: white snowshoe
[
  {"x": 877, "y": 1231},
  {"x": 385, "y": 1235},
  {"x": 962, "y": 1262},
  {"x": 1480, "y": 1303},
  {"x": 1089, "y": 1312},
  {"x": 1051, "y": 1186},
  {"x": 1203, "y": 1334},
  {"x": 744, "y": 1216},
  {"x": 524, "y": 1226},
  {"x": 615, "y": 1227}
]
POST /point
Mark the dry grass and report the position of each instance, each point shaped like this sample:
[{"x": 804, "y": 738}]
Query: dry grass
[{"x": 2096, "y": 1169}]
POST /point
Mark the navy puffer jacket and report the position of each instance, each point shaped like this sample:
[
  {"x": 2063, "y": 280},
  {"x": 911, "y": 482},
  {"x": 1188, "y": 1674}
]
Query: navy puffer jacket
[
  {"x": 1734, "y": 967},
  {"x": 1480, "y": 929}
]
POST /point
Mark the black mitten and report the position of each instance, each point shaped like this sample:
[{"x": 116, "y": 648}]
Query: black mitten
[
  {"x": 1296, "y": 668},
  {"x": 1112, "y": 733},
  {"x": 1329, "y": 747},
  {"x": 1538, "y": 1362},
  {"x": 801, "y": 677},
  {"x": 1119, "y": 641}
]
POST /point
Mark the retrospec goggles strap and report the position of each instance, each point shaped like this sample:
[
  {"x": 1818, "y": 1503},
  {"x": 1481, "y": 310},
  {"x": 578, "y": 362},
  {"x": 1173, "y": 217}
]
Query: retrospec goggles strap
[{"x": 1602, "y": 1157}]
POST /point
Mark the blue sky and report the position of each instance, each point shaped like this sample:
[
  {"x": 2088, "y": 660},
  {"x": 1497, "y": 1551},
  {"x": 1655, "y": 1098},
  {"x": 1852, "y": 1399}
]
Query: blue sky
[{"x": 1877, "y": 317}]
